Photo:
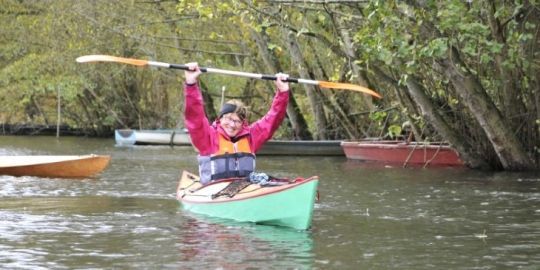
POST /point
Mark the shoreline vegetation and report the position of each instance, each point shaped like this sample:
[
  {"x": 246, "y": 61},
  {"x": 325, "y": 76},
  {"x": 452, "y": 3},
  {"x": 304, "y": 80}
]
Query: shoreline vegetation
[
  {"x": 45, "y": 130},
  {"x": 460, "y": 72}
]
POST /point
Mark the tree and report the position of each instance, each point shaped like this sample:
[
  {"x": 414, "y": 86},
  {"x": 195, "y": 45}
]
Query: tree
[
  {"x": 448, "y": 41},
  {"x": 465, "y": 72}
]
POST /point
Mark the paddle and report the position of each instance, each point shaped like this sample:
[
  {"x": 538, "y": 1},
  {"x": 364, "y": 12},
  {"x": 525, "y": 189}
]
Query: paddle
[{"x": 139, "y": 62}]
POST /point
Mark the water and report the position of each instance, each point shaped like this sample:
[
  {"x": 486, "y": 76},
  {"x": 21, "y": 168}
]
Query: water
[{"x": 368, "y": 217}]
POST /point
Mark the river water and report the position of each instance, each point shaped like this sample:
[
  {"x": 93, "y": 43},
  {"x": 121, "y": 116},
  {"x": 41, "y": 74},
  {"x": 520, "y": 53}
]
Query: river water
[{"x": 367, "y": 217}]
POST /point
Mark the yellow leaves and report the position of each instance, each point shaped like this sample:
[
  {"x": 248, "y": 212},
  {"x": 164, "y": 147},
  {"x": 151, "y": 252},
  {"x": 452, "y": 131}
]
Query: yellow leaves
[
  {"x": 187, "y": 5},
  {"x": 224, "y": 7},
  {"x": 275, "y": 48},
  {"x": 206, "y": 10},
  {"x": 215, "y": 36},
  {"x": 321, "y": 18}
]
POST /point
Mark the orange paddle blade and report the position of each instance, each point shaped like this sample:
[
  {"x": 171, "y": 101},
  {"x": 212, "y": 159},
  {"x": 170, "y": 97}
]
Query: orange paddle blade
[
  {"x": 349, "y": 86},
  {"x": 108, "y": 58}
]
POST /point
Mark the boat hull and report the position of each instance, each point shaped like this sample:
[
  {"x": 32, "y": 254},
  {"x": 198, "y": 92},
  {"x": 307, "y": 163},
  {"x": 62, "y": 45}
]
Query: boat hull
[
  {"x": 53, "y": 166},
  {"x": 289, "y": 205},
  {"x": 402, "y": 153},
  {"x": 126, "y": 137},
  {"x": 301, "y": 148}
]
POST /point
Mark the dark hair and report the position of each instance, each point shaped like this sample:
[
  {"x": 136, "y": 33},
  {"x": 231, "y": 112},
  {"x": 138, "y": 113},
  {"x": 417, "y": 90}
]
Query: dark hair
[{"x": 234, "y": 106}]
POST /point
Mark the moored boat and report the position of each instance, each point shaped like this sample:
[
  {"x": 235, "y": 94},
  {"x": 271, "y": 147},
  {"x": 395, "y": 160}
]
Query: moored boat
[
  {"x": 180, "y": 137},
  {"x": 302, "y": 148},
  {"x": 53, "y": 166},
  {"x": 289, "y": 205},
  {"x": 399, "y": 152},
  {"x": 126, "y": 137}
]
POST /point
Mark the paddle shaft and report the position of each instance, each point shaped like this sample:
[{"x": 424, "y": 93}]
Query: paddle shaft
[
  {"x": 231, "y": 72},
  {"x": 139, "y": 62}
]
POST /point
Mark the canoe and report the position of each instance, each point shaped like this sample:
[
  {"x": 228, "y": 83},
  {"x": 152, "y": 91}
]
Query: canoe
[
  {"x": 53, "y": 166},
  {"x": 302, "y": 148},
  {"x": 126, "y": 137},
  {"x": 399, "y": 152},
  {"x": 289, "y": 205},
  {"x": 180, "y": 137}
]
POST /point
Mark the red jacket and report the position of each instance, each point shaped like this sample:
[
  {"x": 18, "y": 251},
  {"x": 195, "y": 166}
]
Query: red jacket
[{"x": 204, "y": 135}]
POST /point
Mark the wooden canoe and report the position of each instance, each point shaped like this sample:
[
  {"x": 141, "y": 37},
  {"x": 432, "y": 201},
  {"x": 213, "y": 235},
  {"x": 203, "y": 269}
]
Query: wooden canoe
[
  {"x": 290, "y": 205},
  {"x": 398, "y": 152},
  {"x": 53, "y": 166}
]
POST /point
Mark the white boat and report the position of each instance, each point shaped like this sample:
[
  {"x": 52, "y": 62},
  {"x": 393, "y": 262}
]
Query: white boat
[
  {"x": 180, "y": 137},
  {"x": 126, "y": 137}
]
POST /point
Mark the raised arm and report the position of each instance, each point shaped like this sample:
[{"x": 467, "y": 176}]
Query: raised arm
[
  {"x": 195, "y": 118},
  {"x": 263, "y": 129}
]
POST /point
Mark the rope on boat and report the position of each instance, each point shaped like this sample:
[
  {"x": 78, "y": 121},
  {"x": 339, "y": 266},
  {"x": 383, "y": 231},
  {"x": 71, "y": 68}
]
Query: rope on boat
[
  {"x": 258, "y": 178},
  {"x": 171, "y": 141},
  {"x": 434, "y": 155},
  {"x": 409, "y": 156},
  {"x": 233, "y": 188}
]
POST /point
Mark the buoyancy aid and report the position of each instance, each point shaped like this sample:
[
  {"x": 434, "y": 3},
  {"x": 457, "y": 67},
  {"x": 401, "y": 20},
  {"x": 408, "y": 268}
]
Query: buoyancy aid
[{"x": 232, "y": 159}]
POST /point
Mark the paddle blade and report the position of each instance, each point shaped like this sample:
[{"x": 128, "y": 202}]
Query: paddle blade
[
  {"x": 108, "y": 58},
  {"x": 349, "y": 86}
]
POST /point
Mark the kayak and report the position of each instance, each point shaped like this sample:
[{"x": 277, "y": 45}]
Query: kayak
[
  {"x": 53, "y": 166},
  {"x": 288, "y": 205}
]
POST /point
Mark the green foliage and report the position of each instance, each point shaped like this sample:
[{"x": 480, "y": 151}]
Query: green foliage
[
  {"x": 436, "y": 48},
  {"x": 393, "y": 41},
  {"x": 394, "y": 131},
  {"x": 378, "y": 116}
]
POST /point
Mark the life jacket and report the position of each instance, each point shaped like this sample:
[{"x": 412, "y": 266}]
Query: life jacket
[{"x": 230, "y": 160}]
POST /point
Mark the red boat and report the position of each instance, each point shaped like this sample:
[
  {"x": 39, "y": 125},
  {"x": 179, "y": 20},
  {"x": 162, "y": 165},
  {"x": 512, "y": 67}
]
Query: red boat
[{"x": 399, "y": 152}]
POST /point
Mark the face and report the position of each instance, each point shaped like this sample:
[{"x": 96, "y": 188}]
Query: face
[{"x": 231, "y": 123}]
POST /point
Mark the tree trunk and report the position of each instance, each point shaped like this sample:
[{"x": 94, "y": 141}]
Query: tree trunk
[
  {"x": 297, "y": 120},
  {"x": 513, "y": 107},
  {"x": 430, "y": 113},
  {"x": 338, "y": 114},
  {"x": 358, "y": 77},
  {"x": 509, "y": 150},
  {"x": 311, "y": 91}
]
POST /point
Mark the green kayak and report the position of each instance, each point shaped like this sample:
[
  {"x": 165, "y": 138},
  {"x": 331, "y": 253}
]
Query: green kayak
[{"x": 289, "y": 205}]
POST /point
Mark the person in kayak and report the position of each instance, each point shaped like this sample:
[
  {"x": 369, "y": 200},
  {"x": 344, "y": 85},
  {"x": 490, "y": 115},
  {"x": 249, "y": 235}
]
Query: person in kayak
[{"x": 227, "y": 146}]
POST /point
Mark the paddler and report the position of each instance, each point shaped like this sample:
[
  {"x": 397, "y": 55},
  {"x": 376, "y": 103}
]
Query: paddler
[{"x": 227, "y": 146}]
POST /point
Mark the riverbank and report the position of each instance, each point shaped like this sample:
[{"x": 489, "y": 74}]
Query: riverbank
[{"x": 37, "y": 129}]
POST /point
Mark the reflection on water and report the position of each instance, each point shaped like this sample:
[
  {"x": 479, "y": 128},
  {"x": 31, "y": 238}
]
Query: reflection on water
[
  {"x": 72, "y": 232},
  {"x": 368, "y": 217},
  {"x": 78, "y": 232},
  {"x": 210, "y": 242}
]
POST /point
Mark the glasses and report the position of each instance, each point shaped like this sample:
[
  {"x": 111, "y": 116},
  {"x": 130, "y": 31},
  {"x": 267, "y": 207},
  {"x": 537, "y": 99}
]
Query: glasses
[{"x": 232, "y": 121}]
